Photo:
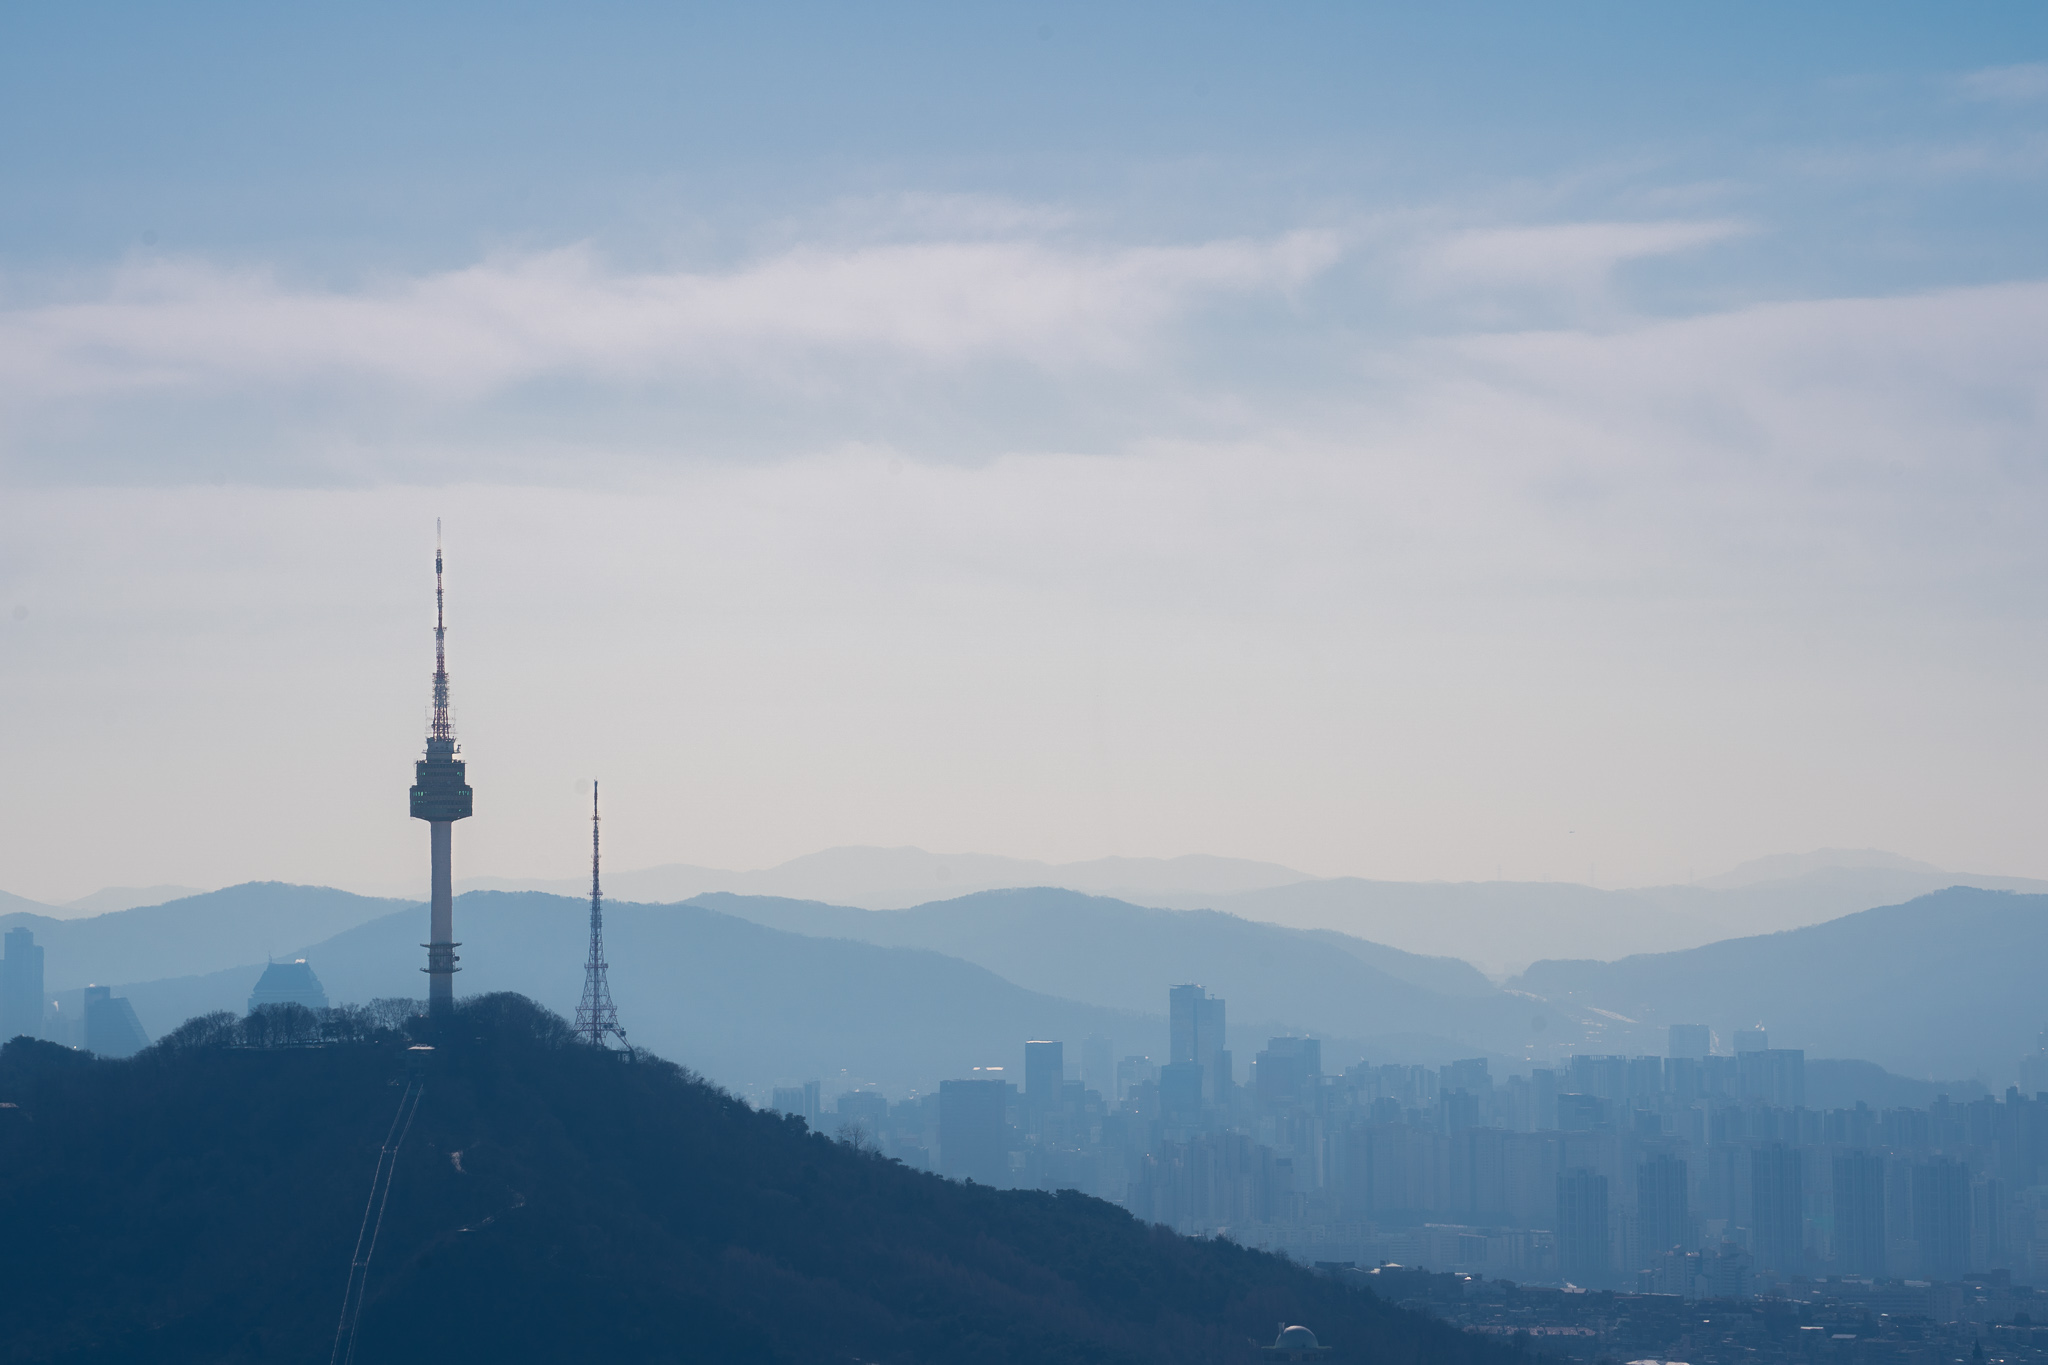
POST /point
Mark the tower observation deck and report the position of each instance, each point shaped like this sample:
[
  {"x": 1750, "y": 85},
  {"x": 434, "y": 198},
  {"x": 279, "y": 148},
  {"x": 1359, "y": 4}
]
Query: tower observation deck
[{"x": 441, "y": 796}]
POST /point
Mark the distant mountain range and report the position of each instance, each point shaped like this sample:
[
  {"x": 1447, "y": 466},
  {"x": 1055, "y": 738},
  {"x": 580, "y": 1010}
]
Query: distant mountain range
[
  {"x": 1945, "y": 985},
  {"x": 100, "y": 902},
  {"x": 193, "y": 934},
  {"x": 755, "y": 991},
  {"x": 896, "y": 878},
  {"x": 1500, "y": 927}
]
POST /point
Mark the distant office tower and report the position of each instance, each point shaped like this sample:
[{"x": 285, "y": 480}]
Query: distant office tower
[
  {"x": 1044, "y": 1069},
  {"x": 1582, "y": 1239},
  {"x": 1663, "y": 1213},
  {"x": 973, "y": 1133},
  {"x": 1689, "y": 1040},
  {"x": 288, "y": 983},
  {"x": 1941, "y": 1217},
  {"x": 1286, "y": 1073},
  {"x": 1098, "y": 1065},
  {"x": 111, "y": 1028},
  {"x": 1131, "y": 1073},
  {"x": 441, "y": 795},
  {"x": 1859, "y": 1213},
  {"x": 1777, "y": 1195},
  {"x": 800, "y": 1100},
  {"x": 866, "y": 1110},
  {"x": 21, "y": 987},
  {"x": 1753, "y": 1039},
  {"x": 1195, "y": 1023},
  {"x": 1773, "y": 1075},
  {"x": 1180, "y": 1093}
]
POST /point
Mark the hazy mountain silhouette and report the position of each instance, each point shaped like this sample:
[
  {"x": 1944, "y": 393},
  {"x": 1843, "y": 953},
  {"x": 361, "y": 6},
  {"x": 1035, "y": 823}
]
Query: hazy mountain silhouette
[
  {"x": 744, "y": 1004},
  {"x": 11, "y": 905},
  {"x": 752, "y": 1005},
  {"x": 1781, "y": 867},
  {"x": 236, "y": 925},
  {"x": 1502, "y": 927},
  {"x": 1111, "y": 953},
  {"x": 552, "y": 1203},
  {"x": 894, "y": 878},
  {"x": 111, "y": 898},
  {"x": 1944, "y": 985}
]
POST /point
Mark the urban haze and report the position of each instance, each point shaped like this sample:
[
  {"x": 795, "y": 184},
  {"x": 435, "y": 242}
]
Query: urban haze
[{"x": 1038, "y": 683}]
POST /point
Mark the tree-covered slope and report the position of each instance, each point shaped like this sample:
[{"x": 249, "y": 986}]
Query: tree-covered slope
[{"x": 200, "y": 1202}]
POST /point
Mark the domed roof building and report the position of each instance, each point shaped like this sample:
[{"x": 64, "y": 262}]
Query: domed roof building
[
  {"x": 1294, "y": 1343},
  {"x": 288, "y": 983}
]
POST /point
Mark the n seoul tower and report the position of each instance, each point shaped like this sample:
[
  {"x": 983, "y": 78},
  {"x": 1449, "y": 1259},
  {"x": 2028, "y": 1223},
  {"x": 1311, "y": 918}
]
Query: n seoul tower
[{"x": 441, "y": 796}]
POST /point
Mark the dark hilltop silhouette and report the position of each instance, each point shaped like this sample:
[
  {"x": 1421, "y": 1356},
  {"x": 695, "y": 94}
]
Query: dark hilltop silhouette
[{"x": 201, "y": 1201}]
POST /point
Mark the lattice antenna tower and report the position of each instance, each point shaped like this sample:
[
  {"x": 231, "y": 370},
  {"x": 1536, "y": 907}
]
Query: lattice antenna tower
[{"x": 596, "y": 1016}]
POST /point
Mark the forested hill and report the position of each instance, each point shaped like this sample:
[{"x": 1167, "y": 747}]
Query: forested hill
[{"x": 200, "y": 1203}]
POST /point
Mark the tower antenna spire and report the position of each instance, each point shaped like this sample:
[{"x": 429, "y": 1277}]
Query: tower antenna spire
[
  {"x": 596, "y": 1016},
  {"x": 443, "y": 730}
]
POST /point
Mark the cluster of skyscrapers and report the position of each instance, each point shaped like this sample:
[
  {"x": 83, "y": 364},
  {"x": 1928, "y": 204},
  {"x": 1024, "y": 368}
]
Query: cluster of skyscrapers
[
  {"x": 1691, "y": 1173},
  {"x": 104, "y": 1023}
]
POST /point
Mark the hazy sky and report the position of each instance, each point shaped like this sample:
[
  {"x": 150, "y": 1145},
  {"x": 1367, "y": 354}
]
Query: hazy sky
[{"x": 1447, "y": 441}]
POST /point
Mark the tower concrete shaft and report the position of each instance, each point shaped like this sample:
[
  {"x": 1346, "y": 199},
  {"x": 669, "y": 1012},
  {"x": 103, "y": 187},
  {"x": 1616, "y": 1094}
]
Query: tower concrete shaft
[{"x": 441, "y": 795}]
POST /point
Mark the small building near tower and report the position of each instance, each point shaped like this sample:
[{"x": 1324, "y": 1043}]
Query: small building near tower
[
  {"x": 288, "y": 983},
  {"x": 1294, "y": 1343},
  {"x": 111, "y": 1028}
]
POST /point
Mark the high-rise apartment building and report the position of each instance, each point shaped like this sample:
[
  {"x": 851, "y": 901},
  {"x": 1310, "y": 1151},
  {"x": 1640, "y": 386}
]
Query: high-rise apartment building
[
  {"x": 1663, "y": 1211},
  {"x": 1777, "y": 1194},
  {"x": 1941, "y": 1217},
  {"x": 1772, "y": 1075},
  {"x": 1583, "y": 1244},
  {"x": 1859, "y": 1213}
]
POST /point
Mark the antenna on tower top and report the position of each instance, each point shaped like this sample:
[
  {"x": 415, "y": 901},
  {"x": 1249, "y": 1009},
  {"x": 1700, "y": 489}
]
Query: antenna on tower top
[
  {"x": 596, "y": 1016},
  {"x": 441, "y": 734}
]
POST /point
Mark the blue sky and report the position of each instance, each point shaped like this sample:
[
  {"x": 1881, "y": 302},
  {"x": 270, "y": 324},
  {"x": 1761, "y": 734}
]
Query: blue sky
[{"x": 1382, "y": 440}]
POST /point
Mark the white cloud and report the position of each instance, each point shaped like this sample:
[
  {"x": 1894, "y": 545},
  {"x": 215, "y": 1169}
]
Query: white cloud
[
  {"x": 1667, "y": 578},
  {"x": 1563, "y": 258},
  {"x": 190, "y": 327},
  {"x": 2025, "y": 83}
]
